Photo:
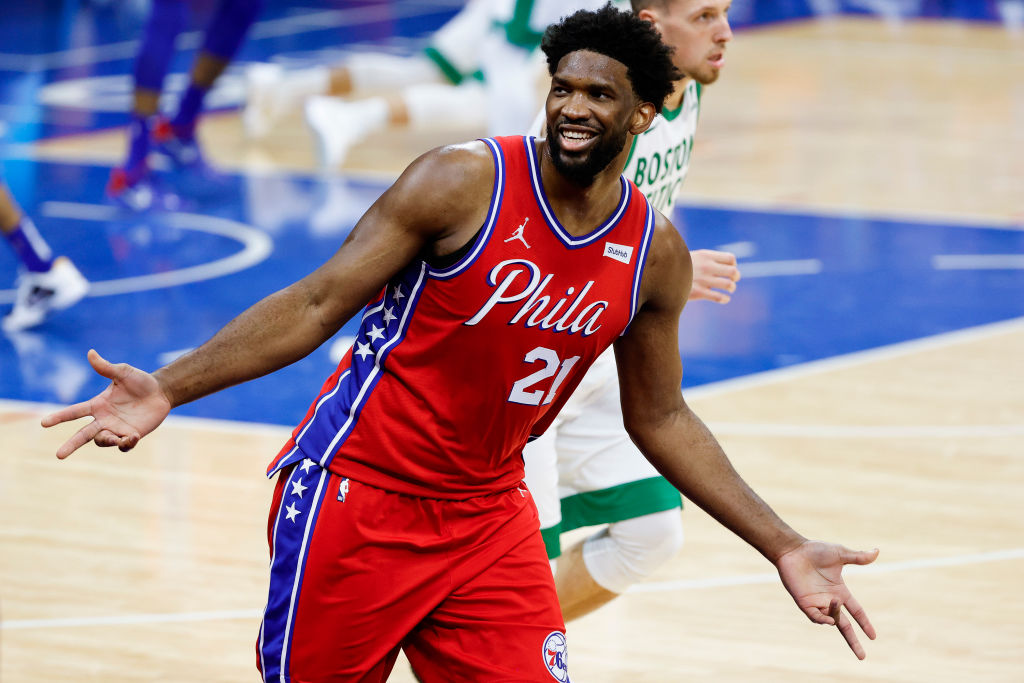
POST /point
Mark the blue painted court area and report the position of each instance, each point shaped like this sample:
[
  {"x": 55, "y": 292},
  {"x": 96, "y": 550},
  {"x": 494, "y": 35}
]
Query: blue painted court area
[{"x": 814, "y": 286}]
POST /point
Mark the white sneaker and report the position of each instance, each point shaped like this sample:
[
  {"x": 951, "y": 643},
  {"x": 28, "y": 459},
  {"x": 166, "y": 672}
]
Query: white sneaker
[
  {"x": 338, "y": 124},
  {"x": 264, "y": 104},
  {"x": 39, "y": 293}
]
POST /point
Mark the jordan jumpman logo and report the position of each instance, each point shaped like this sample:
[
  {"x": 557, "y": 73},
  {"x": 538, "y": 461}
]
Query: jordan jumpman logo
[{"x": 518, "y": 234}]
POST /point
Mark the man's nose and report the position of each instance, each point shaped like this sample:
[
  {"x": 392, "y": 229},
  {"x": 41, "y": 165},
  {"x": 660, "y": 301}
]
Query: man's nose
[{"x": 575, "y": 107}]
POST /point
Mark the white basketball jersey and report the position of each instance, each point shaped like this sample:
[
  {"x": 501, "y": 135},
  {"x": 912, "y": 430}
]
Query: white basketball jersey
[{"x": 660, "y": 157}]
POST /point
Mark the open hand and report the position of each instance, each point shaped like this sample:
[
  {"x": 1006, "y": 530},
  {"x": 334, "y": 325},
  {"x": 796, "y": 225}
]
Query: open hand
[
  {"x": 131, "y": 407},
  {"x": 813, "y": 575}
]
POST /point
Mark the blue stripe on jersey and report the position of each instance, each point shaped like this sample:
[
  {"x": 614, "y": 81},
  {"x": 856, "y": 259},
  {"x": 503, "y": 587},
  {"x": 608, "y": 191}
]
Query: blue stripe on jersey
[
  {"x": 373, "y": 344},
  {"x": 294, "y": 455},
  {"x": 549, "y": 214},
  {"x": 641, "y": 261},
  {"x": 492, "y": 216},
  {"x": 293, "y": 529}
]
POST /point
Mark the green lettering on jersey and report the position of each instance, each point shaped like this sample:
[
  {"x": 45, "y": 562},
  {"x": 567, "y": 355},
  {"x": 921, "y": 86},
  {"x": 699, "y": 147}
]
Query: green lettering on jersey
[{"x": 641, "y": 166}]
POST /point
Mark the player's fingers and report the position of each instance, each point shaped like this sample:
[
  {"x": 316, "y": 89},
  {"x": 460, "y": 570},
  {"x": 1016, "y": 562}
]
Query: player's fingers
[
  {"x": 104, "y": 367},
  {"x": 725, "y": 283},
  {"x": 128, "y": 442},
  {"x": 699, "y": 292},
  {"x": 860, "y": 616},
  {"x": 66, "y": 414},
  {"x": 858, "y": 556},
  {"x": 817, "y": 616},
  {"x": 81, "y": 437},
  {"x": 106, "y": 438},
  {"x": 724, "y": 257},
  {"x": 721, "y": 270},
  {"x": 846, "y": 628}
]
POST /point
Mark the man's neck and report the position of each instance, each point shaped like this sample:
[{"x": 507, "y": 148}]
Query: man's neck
[
  {"x": 675, "y": 100},
  {"x": 581, "y": 209}
]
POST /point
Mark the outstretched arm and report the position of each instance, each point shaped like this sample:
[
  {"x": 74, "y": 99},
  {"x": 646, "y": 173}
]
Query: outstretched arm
[
  {"x": 434, "y": 207},
  {"x": 682, "y": 448}
]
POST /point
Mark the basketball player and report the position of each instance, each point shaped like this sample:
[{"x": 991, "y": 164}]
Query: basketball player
[
  {"x": 478, "y": 71},
  {"x": 131, "y": 183},
  {"x": 423, "y": 85},
  {"x": 399, "y": 518},
  {"x": 46, "y": 283},
  {"x": 585, "y": 470}
]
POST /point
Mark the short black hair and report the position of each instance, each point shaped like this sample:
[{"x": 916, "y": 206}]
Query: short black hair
[{"x": 623, "y": 37}]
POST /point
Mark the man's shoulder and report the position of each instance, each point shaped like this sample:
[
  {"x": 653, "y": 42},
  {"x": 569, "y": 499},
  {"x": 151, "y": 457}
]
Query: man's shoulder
[
  {"x": 473, "y": 152},
  {"x": 451, "y": 168}
]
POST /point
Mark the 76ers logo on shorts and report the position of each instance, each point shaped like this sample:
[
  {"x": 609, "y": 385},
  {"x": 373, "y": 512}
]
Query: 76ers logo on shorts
[{"x": 556, "y": 656}]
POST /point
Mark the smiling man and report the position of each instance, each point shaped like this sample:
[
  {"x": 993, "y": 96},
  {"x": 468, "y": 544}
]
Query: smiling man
[{"x": 399, "y": 519}]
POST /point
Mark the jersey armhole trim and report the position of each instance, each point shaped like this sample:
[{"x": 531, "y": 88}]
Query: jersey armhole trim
[
  {"x": 493, "y": 210},
  {"x": 641, "y": 262}
]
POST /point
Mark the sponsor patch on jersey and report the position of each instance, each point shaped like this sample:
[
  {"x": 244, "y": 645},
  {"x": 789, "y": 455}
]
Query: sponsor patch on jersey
[
  {"x": 619, "y": 252},
  {"x": 556, "y": 656}
]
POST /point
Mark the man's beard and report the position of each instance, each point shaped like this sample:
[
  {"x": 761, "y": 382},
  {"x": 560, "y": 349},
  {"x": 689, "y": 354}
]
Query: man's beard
[{"x": 582, "y": 169}]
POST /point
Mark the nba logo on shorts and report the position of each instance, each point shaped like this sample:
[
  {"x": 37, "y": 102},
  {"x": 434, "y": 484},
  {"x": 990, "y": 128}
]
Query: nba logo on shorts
[{"x": 556, "y": 656}]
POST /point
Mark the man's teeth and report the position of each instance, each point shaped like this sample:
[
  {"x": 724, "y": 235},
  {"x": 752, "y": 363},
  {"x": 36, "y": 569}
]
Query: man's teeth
[{"x": 574, "y": 135}]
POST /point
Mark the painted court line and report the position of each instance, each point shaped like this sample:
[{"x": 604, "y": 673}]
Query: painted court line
[
  {"x": 883, "y": 568},
  {"x": 857, "y": 358},
  {"x": 128, "y": 619},
  {"x": 256, "y": 247},
  {"x": 752, "y": 269},
  {"x": 766, "y": 378},
  {"x": 654, "y": 587},
  {"x": 978, "y": 262},
  {"x": 813, "y": 431}
]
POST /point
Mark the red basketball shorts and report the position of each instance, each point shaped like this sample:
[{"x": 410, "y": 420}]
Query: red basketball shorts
[{"x": 357, "y": 573}]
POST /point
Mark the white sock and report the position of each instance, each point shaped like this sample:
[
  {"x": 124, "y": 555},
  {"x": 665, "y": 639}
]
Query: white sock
[{"x": 368, "y": 115}]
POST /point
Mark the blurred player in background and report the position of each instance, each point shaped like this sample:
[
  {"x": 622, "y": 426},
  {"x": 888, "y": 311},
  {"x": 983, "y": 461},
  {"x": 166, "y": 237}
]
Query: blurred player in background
[
  {"x": 175, "y": 137},
  {"x": 480, "y": 71},
  {"x": 585, "y": 470},
  {"x": 46, "y": 282}
]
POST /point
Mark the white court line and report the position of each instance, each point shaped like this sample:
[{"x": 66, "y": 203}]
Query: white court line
[
  {"x": 955, "y": 219},
  {"x": 978, "y": 262},
  {"x": 765, "y": 378},
  {"x": 653, "y": 587},
  {"x": 126, "y": 619},
  {"x": 882, "y": 568},
  {"x": 271, "y": 28},
  {"x": 256, "y": 247},
  {"x": 750, "y": 269},
  {"x": 812, "y": 431},
  {"x": 857, "y": 47},
  {"x": 856, "y": 358}
]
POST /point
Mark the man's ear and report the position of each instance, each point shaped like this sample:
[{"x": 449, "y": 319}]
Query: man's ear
[
  {"x": 643, "y": 116},
  {"x": 649, "y": 15}
]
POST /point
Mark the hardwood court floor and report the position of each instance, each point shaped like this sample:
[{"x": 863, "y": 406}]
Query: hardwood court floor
[{"x": 152, "y": 566}]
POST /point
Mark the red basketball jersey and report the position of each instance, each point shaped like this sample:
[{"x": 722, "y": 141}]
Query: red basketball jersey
[{"x": 454, "y": 369}]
